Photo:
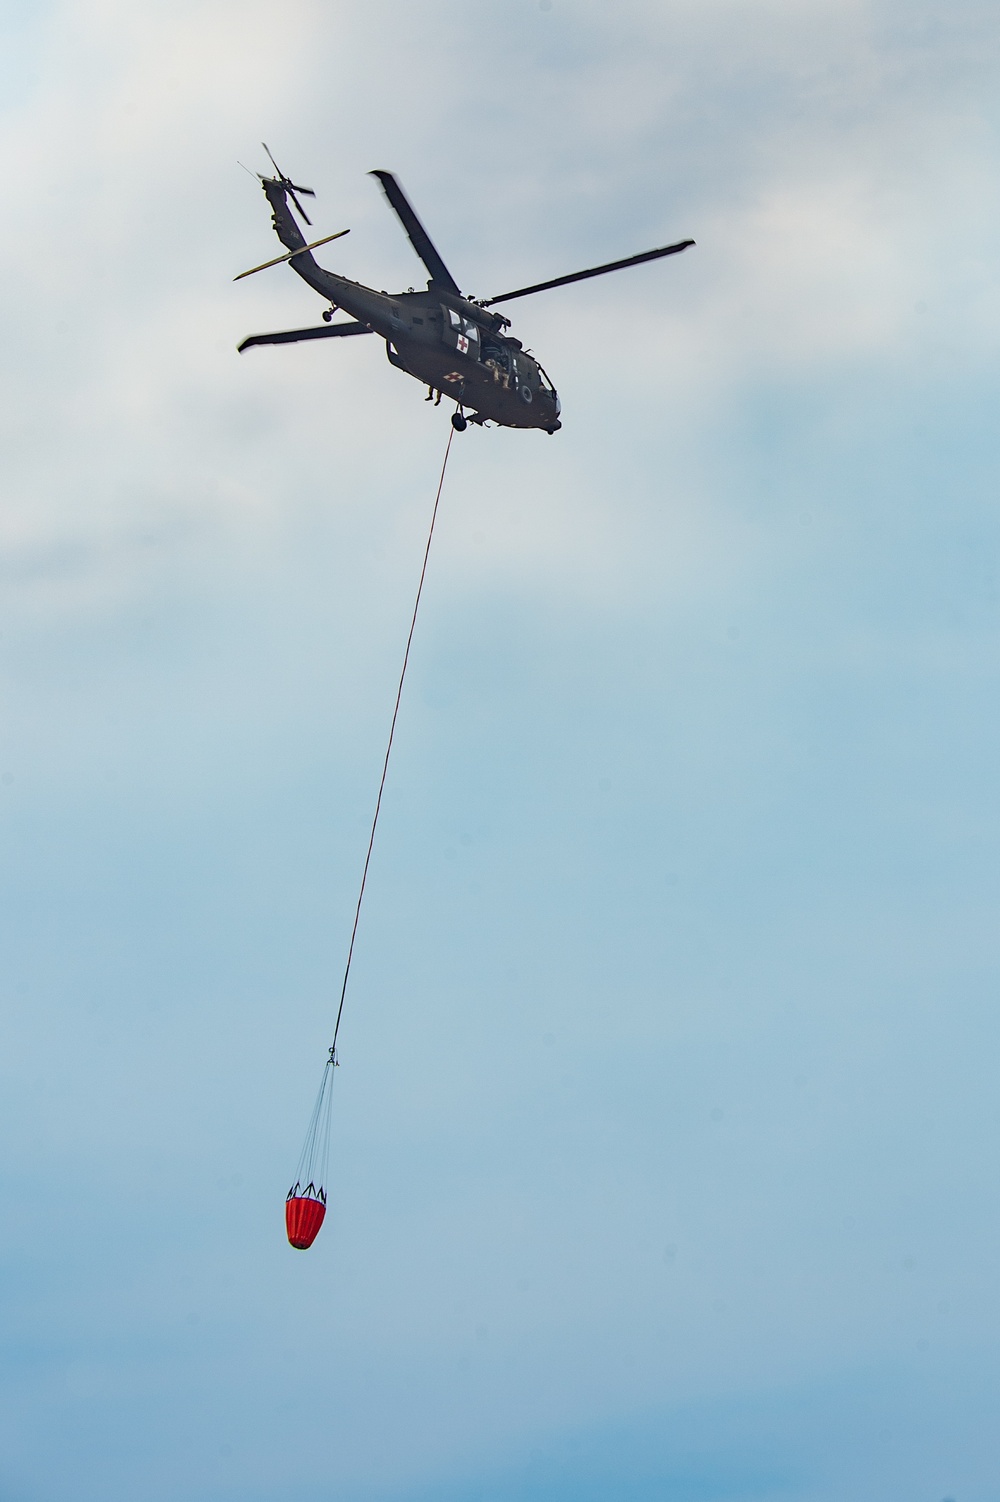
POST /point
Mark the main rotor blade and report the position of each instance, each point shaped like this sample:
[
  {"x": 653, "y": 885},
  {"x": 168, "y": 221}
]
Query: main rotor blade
[
  {"x": 271, "y": 158},
  {"x": 419, "y": 238},
  {"x": 294, "y": 336},
  {"x": 288, "y": 254},
  {"x": 581, "y": 276}
]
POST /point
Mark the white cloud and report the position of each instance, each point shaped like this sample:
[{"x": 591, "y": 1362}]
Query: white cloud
[{"x": 691, "y": 771}]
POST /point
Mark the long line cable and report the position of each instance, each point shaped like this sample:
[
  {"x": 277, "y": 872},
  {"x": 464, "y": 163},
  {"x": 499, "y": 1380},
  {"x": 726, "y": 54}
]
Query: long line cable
[{"x": 388, "y": 749}]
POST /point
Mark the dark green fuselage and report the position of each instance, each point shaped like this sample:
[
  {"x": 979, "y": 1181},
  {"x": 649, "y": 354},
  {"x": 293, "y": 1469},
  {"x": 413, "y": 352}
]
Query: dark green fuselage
[{"x": 439, "y": 337}]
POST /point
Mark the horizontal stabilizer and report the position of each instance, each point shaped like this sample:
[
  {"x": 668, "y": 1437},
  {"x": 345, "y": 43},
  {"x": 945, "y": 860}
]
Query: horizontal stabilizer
[
  {"x": 292, "y": 336},
  {"x": 290, "y": 253}
]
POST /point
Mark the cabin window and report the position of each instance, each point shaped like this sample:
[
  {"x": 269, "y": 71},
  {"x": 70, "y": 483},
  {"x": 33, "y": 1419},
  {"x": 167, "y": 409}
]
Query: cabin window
[{"x": 461, "y": 334}]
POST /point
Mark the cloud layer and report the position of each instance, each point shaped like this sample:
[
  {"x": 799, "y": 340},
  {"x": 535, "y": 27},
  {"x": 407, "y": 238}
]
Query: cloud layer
[{"x": 666, "y": 1123}]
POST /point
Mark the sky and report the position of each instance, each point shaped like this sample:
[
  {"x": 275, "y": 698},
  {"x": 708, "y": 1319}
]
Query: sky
[{"x": 665, "y": 1135}]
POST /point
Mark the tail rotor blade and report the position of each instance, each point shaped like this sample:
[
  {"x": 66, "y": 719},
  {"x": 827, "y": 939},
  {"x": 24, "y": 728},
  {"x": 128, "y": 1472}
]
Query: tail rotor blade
[
  {"x": 272, "y": 161},
  {"x": 291, "y": 188},
  {"x": 299, "y": 206}
]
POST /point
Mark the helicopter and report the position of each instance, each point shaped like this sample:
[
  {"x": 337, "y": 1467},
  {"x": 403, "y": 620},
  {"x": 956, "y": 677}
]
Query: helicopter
[{"x": 453, "y": 344}]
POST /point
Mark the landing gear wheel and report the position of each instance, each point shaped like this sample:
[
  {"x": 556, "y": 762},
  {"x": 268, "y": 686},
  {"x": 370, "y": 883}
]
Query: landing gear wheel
[{"x": 458, "y": 422}]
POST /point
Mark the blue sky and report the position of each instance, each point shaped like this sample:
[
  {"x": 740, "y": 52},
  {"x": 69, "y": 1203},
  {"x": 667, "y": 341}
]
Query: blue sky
[{"x": 666, "y": 1130}]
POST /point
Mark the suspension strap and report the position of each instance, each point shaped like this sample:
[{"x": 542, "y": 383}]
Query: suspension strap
[{"x": 388, "y": 749}]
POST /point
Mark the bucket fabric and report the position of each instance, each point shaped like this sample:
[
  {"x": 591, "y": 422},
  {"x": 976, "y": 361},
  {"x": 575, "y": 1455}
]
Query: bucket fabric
[{"x": 303, "y": 1218}]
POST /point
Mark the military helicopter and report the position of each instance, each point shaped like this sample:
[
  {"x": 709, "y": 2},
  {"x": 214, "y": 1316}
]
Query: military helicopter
[{"x": 452, "y": 344}]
